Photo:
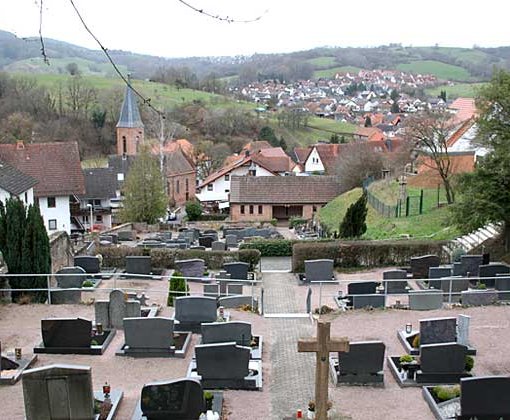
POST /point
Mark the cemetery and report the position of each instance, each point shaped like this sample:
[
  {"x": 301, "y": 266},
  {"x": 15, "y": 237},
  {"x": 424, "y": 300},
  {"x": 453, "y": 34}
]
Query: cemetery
[{"x": 408, "y": 340}]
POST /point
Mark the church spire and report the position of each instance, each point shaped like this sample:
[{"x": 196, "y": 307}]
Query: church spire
[{"x": 129, "y": 113}]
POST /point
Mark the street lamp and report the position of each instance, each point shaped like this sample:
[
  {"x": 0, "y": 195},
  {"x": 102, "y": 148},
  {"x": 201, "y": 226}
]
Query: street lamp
[{"x": 90, "y": 221}]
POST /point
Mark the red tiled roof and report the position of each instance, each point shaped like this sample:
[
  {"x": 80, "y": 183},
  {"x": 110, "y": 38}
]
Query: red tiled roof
[
  {"x": 465, "y": 109},
  {"x": 256, "y": 146},
  {"x": 428, "y": 176},
  {"x": 56, "y": 166},
  {"x": 371, "y": 133},
  {"x": 466, "y": 125},
  {"x": 171, "y": 146},
  {"x": 283, "y": 189},
  {"x": 302, "y": 153},
  {"x": 328, "y": 154}
]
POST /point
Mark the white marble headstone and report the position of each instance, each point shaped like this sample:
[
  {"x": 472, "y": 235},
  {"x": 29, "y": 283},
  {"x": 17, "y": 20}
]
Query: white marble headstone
[{"x": 463, "y": 329}]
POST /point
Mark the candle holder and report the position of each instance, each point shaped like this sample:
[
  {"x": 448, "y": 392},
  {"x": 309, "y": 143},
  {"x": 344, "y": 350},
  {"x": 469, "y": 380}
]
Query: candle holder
[
  {"x": 222, "y": 312},
  {"x": 409, "y": 328},
  {"x": 106, "y": 390},
  {"x": 17, "y": 353},
  {"x": 99, "y": 328}
]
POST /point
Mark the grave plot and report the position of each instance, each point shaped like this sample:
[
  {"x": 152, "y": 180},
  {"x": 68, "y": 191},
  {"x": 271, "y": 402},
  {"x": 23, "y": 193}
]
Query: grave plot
[
  {"x": 153, "y": 337},
  {"x": 92, "y": 266},
  {"x": 225, "y": 365},
  {"x": 362, "y": 365},
  {"x": 360, "y": 295},
  {"x": 194, "y": 270},
  {"x": 234, "y": 331},
  {"x": 395, "y": 286},
  {"x": 483, "y": 397},
  {"x": 72, "y": 336},
  {"x": 179, "y": 399},
  {"x": 436, "y": 330},
  {"x": 65, "y": 392},
  {"x": 192, "y": 311},
  {"x": 442, "y": 363},
  {"x": 11, "y": 367},
  {"x": 316, "y": 271}
]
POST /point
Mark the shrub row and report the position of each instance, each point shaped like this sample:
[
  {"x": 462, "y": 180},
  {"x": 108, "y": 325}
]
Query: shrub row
[
  {"x": 165, "y": 258},
  {"x": 212, "y": 217},
  {"x": 271, "y": 247},
  {"x": 364, "y": 253}
]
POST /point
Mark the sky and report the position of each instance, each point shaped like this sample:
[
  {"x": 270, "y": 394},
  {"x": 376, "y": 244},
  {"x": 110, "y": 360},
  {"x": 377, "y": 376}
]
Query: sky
[{"x": 170, "y": 29}]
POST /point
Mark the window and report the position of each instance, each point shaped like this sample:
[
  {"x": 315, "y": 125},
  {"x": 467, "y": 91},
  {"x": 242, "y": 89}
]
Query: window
[
  {"x": 99, "y": 218},
  {"x": 209, "y": 187},
  {"x": 251, "y": 209},
  {"x": 97, "y": 203},
  {"x": 187, "y": 185},
  {"x": 124, "y": 145},
  {"x": 120, "y": 177},
  {"x": 260, "y": 209},
  {"x": 227, "y": 191},
  {"x": 252, "y": 172},
  {"x": 242, "y": 209},
  {"x": 187, "y": 196},
  {"x": 26, "y": 197},
  {"x": 177, "y": 186},
  {"x": 52, "y": 203},
  {"x": 52, "y": 224},
  {"x": 85, "y": 219},
  {"x": 227, "y": 177}
]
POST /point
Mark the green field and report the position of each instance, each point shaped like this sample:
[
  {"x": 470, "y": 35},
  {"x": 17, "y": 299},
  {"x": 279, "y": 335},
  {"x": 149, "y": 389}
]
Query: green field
[
  {"x": 330, "y": 73},
  {"x": 459, "y": 90},
  {"x": 331, "y": 126},
  {"x": 161, "y": 95},
  {"x": 322, "y": 62},
  {"x": 432, "y": 225},
  {"x": 441, "y": 70}
]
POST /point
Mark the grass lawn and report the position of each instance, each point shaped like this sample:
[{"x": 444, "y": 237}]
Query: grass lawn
[
  {"x": 330, "y": 73},
  {"x": 327, "y": 124},
  {"x": 432, "y": 225},
  {"x": 322, "y": 62},
  {"x": 441, "y": 70},
  {"x": 459, "y": 90}
]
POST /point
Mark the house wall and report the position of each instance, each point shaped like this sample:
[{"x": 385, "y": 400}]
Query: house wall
[
  {"x": 237, "y": 216},
  {"x": 182, "y": 192},
  {"x": 4, "y": 195},
  {"x": 134, "y": 137},
  {"x": 313, "y": 162},
  {"x": 221, "y": 188},
  {"x": 61, "y": 213}
]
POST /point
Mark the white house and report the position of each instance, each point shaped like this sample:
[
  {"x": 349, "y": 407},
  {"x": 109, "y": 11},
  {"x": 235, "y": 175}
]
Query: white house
[
  {"x": 313, "y": 163},
  {"x": 14, "y": 183},
  {"x": 56, "y": 168}
]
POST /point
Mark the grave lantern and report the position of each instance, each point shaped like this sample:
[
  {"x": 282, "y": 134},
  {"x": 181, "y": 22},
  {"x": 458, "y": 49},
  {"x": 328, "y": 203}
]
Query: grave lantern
[
  {"x": 106, "y": 390},
  {"x": 409, "y": 328}
]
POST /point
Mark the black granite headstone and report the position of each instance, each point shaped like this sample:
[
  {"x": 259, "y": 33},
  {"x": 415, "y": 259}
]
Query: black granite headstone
[
  {"x": 89, "y": 263},
  {"x": 66, "y": 332},
  {"x": 362, "y": 288},
  {"x": 485, "y": 397}
]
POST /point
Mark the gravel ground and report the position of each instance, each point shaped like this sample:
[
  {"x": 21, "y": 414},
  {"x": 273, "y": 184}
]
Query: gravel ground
[{"x": 489, "y": 334}]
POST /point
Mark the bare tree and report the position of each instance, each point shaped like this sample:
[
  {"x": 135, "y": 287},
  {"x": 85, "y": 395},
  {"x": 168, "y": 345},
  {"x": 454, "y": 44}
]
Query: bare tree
[
  {"x": 430, "y": 132},
  {"x": 80, "y": 97}
]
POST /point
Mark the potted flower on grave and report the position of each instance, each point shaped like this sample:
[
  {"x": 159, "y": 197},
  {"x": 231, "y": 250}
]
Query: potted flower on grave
[
  {"x": 311, "y": 409},
  {"x": 208, "y": 397},
  {"x": 405, "y": 362}
]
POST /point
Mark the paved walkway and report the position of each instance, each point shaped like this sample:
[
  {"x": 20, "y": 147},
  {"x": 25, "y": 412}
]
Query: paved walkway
[{"x": 293, "y": 374}]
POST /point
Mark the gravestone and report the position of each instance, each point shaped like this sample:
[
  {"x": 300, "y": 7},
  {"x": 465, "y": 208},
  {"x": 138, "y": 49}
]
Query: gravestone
[
  {"x": 179, "y": 399},
  {"x": 149, "y": 333},
  {"x": 212, "y": 290},
  {"x": 73, "y": 278},
  {"x": 471, "y": 264},
  {"x": 438, "y": 330},
  {"x": 212, "y": 233},
  {"x": 443, "y": 361},
  {"x": 136, "y": 264},
  {"x": 370, "y": 301},
  {"x": 492, "y": 270},
  {"x": 66, "y": 332},
  {"x": 457, "y": 285},
  {"x": 126, "y": 235},
  {"x": 485, "y": 397},
  {"x": 392, "y": 287},
  {"x": 425, "y": 300},
  {"x": 222, "y": 332},
  {"x": 237, "y": 270},
  {"x": 111, "y": 313},
  {"x": 193, "y": 268},
  {"x": 89, "y": 263},
  {"x": 475, "y": 297},
  {"x": 502, "y": 285},
  {"x": 225, "y": 283},
  {"x": 218, "y": 246},
  {"x": 318, "y": 270},
  {"x": 192, "y": 311},
  {"x": 58, "y": 392},
  {"x": 420, "y": 265},
  {"x": 237, "y": 301},
  {"x": 362, "y": 288},
  {"x": 309, "y": 300},
  {"x": 234, "y": 289},
  {"x": 437, "y": 273},
  {"x": 231, "y": 241},
  {"x": 363, "y": 364},
  {"x": 223, "y": 365},
  {"x": 205, "y": 241},
  {"x": 458, "y": 269},
  {"x": 463, "y": 329}
]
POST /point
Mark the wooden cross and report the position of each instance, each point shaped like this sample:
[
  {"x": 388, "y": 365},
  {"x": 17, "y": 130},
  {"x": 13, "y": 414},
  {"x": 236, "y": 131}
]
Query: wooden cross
[{"x": 322, "y": 346}]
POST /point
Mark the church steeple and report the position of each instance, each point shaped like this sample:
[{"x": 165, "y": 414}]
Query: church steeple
[{"x": 130, "y": 128}]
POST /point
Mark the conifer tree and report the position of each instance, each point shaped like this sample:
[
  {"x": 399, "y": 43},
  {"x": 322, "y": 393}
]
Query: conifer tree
[{"x": 354, "y": 223}]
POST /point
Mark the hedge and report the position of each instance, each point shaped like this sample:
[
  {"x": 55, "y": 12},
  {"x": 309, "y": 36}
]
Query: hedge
[
  {"x": 164, "y": 258},
  {"x": 271, "y": 247},
  {"x": 212, "y": 217},
  {"x": 364, "y": 253}
]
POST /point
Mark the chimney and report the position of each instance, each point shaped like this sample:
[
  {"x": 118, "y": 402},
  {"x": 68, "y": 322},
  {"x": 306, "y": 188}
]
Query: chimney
[{"x": 20, "y": 145}]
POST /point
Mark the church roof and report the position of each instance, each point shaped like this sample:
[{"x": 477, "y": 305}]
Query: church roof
[{"x": 129, "y": 113}]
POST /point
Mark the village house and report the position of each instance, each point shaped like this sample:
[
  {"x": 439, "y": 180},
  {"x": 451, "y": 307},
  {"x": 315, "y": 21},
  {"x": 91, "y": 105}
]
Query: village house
[
  {"x": 56, "y": 167},
  {"x": 265, "y": 198},
  {"x": 14, "y": 183}
]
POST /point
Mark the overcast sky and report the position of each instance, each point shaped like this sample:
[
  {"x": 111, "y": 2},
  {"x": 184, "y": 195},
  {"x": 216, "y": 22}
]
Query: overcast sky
[{"x": 170, "y": 29}]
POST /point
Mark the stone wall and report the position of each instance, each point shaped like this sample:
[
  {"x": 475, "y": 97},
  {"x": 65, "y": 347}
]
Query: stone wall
[{"x": 62, "y": 252}]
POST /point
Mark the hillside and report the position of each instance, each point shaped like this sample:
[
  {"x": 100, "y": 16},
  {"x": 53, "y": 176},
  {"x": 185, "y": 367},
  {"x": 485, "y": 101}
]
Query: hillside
[
  {"x": 433, "y": 225},
  {"x": 457, "y": 64}
]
